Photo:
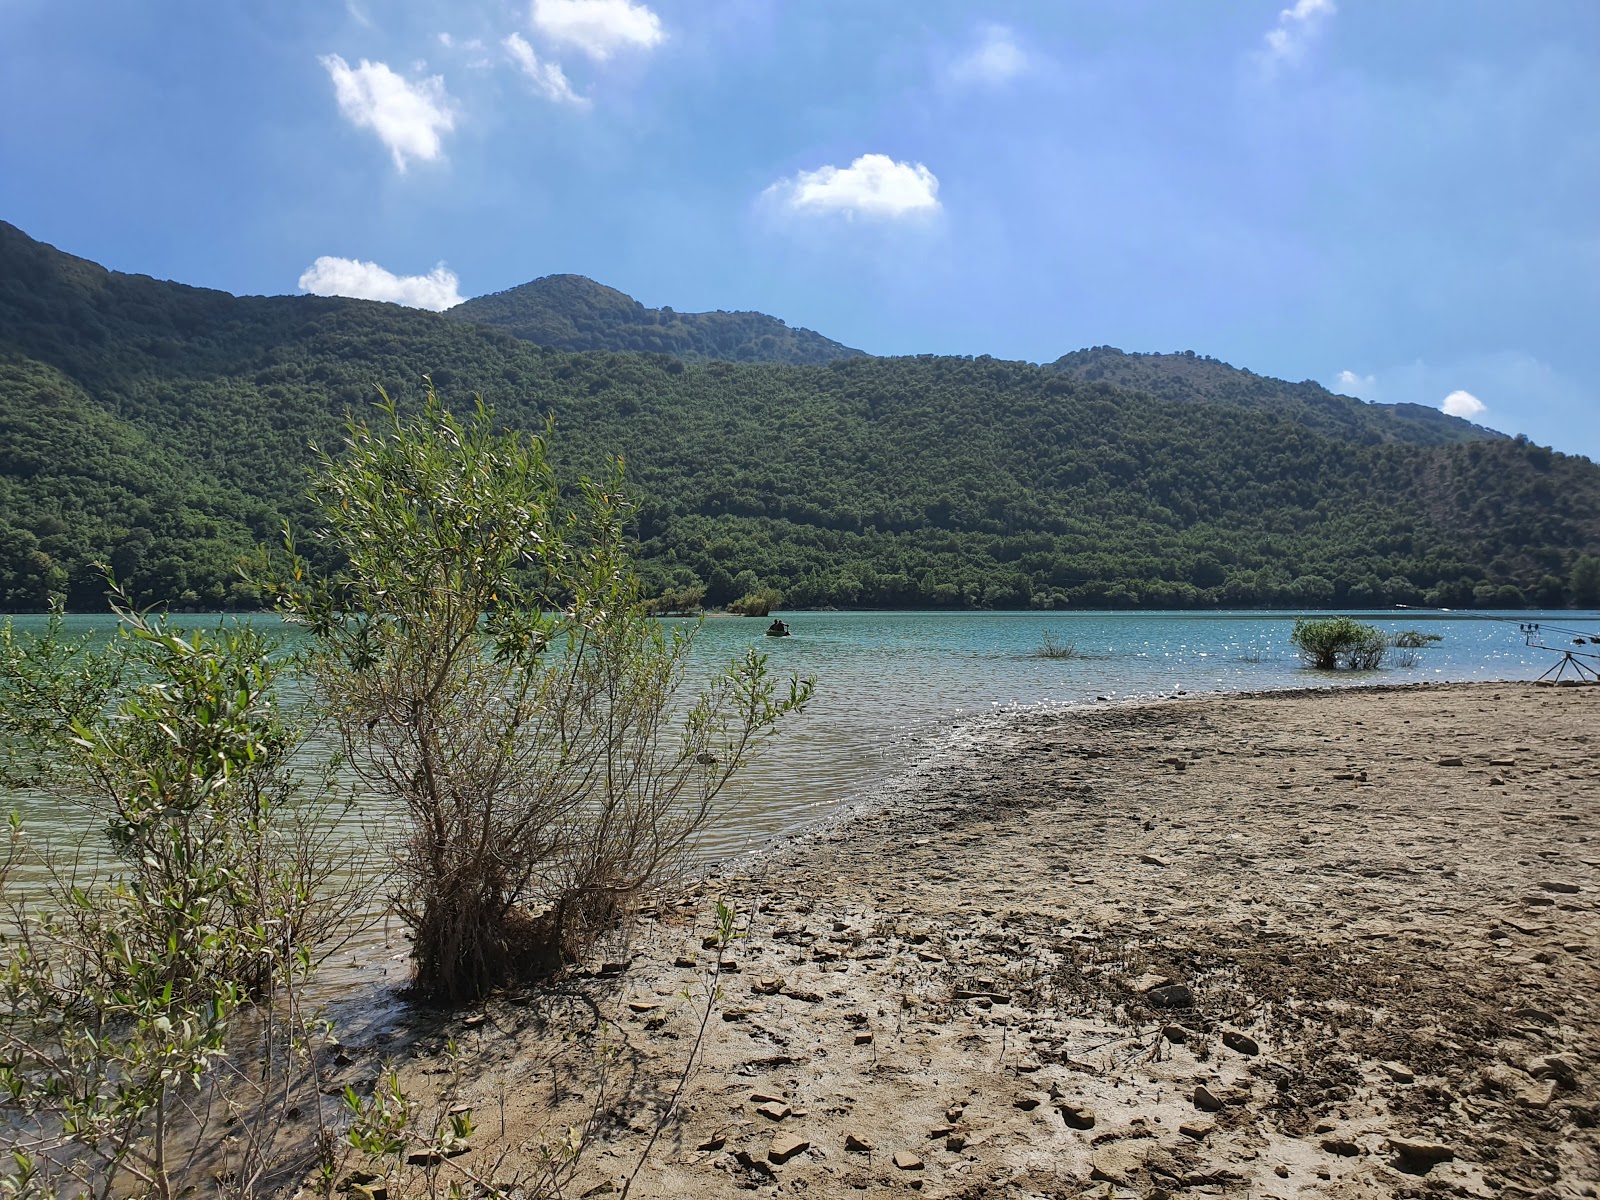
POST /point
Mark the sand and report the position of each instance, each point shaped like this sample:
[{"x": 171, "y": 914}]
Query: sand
[{"x": 1341, "y": 943}]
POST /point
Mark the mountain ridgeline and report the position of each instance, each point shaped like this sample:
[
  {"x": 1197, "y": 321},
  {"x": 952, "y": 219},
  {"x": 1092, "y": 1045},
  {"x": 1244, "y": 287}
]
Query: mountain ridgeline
[
  {"x": 570, "y": 312},
  {"x": 165, "y": 430}
]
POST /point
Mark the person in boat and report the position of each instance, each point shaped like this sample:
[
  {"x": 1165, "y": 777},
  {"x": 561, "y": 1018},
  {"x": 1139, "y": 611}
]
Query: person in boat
[{"x": 777, "y": 629}]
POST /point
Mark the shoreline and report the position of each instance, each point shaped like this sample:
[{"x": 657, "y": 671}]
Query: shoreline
[{"x": 1309, "y": 942}]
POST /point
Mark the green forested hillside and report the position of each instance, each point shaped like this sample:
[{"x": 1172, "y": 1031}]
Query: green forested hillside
[
  {"x": 165, "y": 429},
  {"x": 1195, "y": 378},
  {"x": 571, "y": 312}
]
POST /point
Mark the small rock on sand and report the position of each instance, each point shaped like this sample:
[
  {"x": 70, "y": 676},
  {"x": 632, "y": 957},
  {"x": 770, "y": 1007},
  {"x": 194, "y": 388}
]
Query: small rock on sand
[
  {"x": 1197, "y": 1128},
  {"x": 1417, "y": 1157},
  {"x": 1560, "y": 885},
  {"x": 907, "y": 1161},
  {"x": 1172, "y": 995},
  {"x": 1242, "y": 1042},
  {"x": 1205, "y": 1099},
  {"x": 857, "y": 1144},
  {"x": 1398, "y": 1072},
  {"x": 1077, "y": 1116},
  {"x": 784, "y": 1147}
]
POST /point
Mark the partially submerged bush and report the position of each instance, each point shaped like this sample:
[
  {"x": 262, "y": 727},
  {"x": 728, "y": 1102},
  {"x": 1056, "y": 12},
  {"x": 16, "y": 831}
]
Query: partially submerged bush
[
  {"x": 488, "y": 662},
  {"x": 1414, "y": 639},
  {"x": 121, "y": 979},
  {"x": 1054, "y": 649},
  {"x": 1335, "y": 643},
  {"x": 680, "y": 602},
  {"x": 757, "y": 604}
]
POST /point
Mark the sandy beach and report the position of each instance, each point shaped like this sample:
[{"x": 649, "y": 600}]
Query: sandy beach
[{"x": 1340, "y": 943}]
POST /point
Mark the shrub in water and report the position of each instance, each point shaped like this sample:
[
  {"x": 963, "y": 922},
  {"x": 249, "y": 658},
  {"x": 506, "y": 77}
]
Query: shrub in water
[{"x": 1334, "y": 643}]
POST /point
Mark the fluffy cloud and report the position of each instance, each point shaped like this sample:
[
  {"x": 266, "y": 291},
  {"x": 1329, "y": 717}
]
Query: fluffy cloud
[
  {"x": 872, "y": 186},
  {"x": 548, "y": 79},
  {"x": 996, "y": 59},
  {"x": 329, "y": 276},
  {"x": 598, "y": 27},
  {"x": 409, "y": 118},
  {"x": 1463, "y": 404},
  {"x": 1297, "y": 27}
]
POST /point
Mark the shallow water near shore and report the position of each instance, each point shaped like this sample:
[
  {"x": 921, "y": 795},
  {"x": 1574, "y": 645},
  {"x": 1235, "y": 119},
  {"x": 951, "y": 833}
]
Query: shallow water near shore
[{"x": 891, "y": 684}]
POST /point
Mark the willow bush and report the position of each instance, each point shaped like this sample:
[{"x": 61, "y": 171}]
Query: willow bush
[
  {"x": 1334, "y": 643},
  {"x": 124, "y": 977},
  {"x": 486, "y": 654}
]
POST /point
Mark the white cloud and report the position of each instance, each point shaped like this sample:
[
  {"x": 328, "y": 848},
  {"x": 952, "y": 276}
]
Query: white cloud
[
  {"x": 1298, "y": 26},
  {"x": 548, "y": 79},
  {"x": 872, "y": 186},
  {"x": 996, "y": 59},
  {"x": 1363, "y": 386},
  {"x": 330, "y": 276},
  {"x": 598, "y": 27},
  {"x": 446, "y": 40},
  {"x": 409, "y": 118},
  {"x": 1463, "y": 404}
]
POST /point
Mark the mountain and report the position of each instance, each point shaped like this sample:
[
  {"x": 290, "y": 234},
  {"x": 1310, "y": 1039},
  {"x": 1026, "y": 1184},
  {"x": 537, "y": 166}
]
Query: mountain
[
  {"x": 1198, "y": 379},
  {"x": 166, "y": 430},
  {"x": 571, "y": 312}
]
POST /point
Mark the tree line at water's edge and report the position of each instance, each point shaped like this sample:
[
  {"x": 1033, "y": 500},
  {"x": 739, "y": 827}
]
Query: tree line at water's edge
[{"x": 164, "y": 431}]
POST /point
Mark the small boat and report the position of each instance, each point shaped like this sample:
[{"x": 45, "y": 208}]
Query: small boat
[{"x": 778, "y": 629}]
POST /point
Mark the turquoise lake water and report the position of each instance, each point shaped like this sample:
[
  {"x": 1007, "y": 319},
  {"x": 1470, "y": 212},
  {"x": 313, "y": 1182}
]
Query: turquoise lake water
[{"x": 890, "y": 683}]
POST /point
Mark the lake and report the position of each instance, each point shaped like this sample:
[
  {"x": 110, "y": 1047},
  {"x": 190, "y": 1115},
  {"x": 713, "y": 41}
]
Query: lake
[
  {"x": 890, "y": 685},
  {"x": 889, "y": 682}
]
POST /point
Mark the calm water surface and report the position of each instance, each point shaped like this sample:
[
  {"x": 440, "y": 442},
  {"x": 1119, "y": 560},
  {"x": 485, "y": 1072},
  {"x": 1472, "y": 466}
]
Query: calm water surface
[
  {"x": 888, "y": 682},
  {"x": 890, "y": 685}
]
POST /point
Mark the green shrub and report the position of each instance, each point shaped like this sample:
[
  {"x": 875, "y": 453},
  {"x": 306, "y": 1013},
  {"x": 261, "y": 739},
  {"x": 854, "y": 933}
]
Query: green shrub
[
  {"x": 1334, "y": 643},
  {"x": 757, "y": 604},
  {"x": 1413, "y": 639},
  {"x": 484, "y": 652}
]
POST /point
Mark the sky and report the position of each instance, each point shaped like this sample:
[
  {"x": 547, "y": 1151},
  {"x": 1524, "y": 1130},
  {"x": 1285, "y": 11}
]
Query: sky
[{"x": 1397, "y": 198}]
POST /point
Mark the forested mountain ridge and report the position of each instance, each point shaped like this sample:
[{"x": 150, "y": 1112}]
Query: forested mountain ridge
[
  {"x": 573, "y": 312},
  {"x": 165, "y": 429},
  {"x": 1197, "y": 378}
]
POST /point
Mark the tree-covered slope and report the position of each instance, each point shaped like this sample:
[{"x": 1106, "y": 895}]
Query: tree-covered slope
[
  {"x": 166, "y": 429},
  {"x": 1198, "y": 379},
  {"x": 571, "y": 312}
]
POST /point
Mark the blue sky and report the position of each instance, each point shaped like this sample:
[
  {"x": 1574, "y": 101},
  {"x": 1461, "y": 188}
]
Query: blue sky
[{"x": 1398, "y": 198}]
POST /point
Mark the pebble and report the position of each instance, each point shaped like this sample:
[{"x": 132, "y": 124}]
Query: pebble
[
  {"x": 1176, "y": 1034},
  {"x": 1560, "y": 885},
  {"x": 1417, "y": 1157},
  {"x": 1205, "y": 1100},
  {"x": 1196, "y": 1129},
  {"x": 1563, "y": 1068},
  {"x": 857, "y": 1144},
  {"x": 1340, "y": 1145},
  {"x": 907, "y": 1161},
  {"x": 1172, "y": 995},
  {"x": 1398, "y": 1072},
  {"x": 773, "y": 1110},
  {"x": 1451, "y": 762},
  {"x": 1242, "y": 1042},
  {"x": 784, "y": 1147},
  {"x": 1152, "y": 860},
  {"x": 1078, "y": 1116}
]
